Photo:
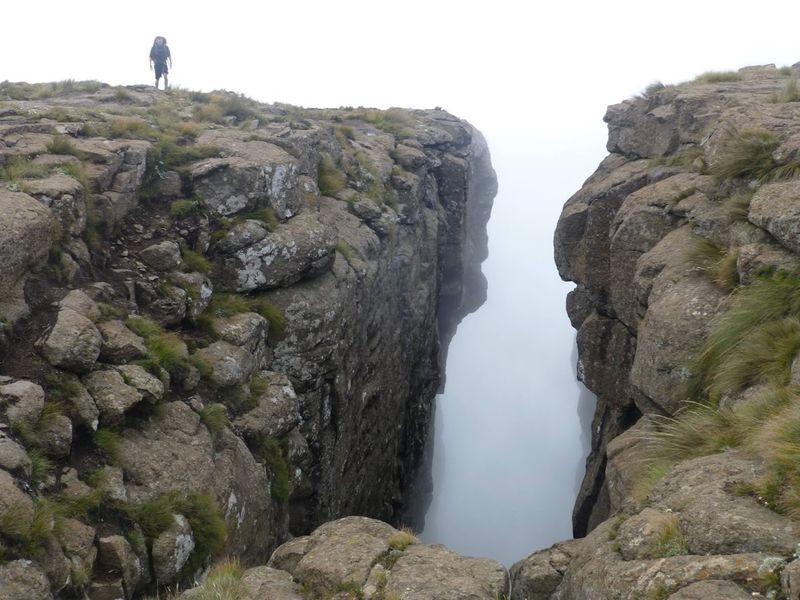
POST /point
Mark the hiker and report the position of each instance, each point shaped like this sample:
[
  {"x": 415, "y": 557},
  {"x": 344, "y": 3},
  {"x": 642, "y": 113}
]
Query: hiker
[{"x": 159, "y": 55}]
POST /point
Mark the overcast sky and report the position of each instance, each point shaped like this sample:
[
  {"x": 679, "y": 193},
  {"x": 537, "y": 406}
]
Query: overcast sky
[{"x": 536, "y": 78}]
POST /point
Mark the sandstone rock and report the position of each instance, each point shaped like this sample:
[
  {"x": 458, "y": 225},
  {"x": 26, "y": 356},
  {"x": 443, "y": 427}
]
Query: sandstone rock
[
  {"x": 774, "y": 207},
  {"x": 73, "y": 487},
  {"x": 168, "y": 306},
  {"x": 248, "y": 330},
  {"x": 27, "y": 227},
  {"x": 82, "y": 304},
  {"x": 151, "y": 387},
  {"x": 15, "y": 504},
  {"x": 171, "y": 549},
  {"x": 626, "y": 455},
  {"x": 116, "y": 557},
  {"x": 790, "y": 580},
  {"x": 174, "y": 451},
  {"x": 24, "y": 401},
  {"x": 241, "y": 235},
  {"x": 711, "y": 590},
  {"x": 111, "y": 394},
  {"x": 265, "y": 582},
  {"x": 13, "y": 457},
  {"x": 169, "y": 186},
  {"x": 288, "y": 554},
  {"x": 755, "y": 259},
  {"x": 163, "y": 256},
  {"x": 113, "y": 483},
  {"x": 55, "y": 436},
  {"x": 23, "y": 580},
  {"x": 77, "y": 540},
  {"x": 230, "y": 365},
  {"x": 538, "y": 576},
  {"x": 74, "y": 342},
  {"x": 642, "y": 536},
  {"x": 107, "y": 589},
  {"x": 120, "y": 344},
  {"x": 302, "y": 247},
  {"x": 436, "y": 572},
  {"x": 51, "y": 559},
  {"x": 198, "y": 289},
  {"x": 277, "y": 411},
  {"x": 85, "y": 408}
]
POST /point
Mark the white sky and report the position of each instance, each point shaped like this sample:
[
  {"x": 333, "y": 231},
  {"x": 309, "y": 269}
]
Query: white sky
[{"x": 536, "y": 78}]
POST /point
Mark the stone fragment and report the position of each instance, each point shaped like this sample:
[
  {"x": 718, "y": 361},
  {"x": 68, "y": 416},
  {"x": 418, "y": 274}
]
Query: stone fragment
[
  {"x": 277, "y": 411},
  {"x": 150, "y": 386},
  {"x": 16, "y": 507},
  {"x": 85, "y": 407},
  {"x": 163, "y": 256},
  {"x": 248, "y": 330},
  {"x": 230, "y": 365},
  {"x": 711, "y": 590},
  {"x": 538, "y": 576},
  {"x": 23, "y": 580},
  {"x": 116, "y": 557},
  {"x": 13, "y": 457},
  {"x": 26, "y": 228},
  {"x": 171, "y": 549},
  {"x": 24, "y": 401},
  {"x": 120, "y": 344},
  {"x": 74, "y": 342},
  {"x": 55, "y": 436},
  {"x": 82, "y": 304},
  {"x": 111, "y": 394},
  {"x": 198, "y": 289}
]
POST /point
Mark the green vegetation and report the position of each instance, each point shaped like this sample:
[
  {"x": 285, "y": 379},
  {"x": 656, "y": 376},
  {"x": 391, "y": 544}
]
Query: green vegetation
[
  {"x": 346, "y": 250},
  {"x": 132, "y": 128},
  {"x": 215, "y": 418},
  {"x": 715, "y": 261},
  {"x": 330, "y": 179},
  {"x": 217, "y": 107},
  {"x": 652, "y": 89},
  {"x": 27, "y": 91},
  {"x": 41, "y": 467},
  {"x": 20, "y": 167},
  {"x": 109, "y": 442},
  {"x": 224, "y": 582},
  {"x": 183, "y": 208},
  {"x": 402, "y": 539},
  {"x": 737, "y": 206},
  {"x": 272, "y": 453},
  {"x": 395, "y": 121},
  {"x": 201, "y": 510},
  {"x": 789, "y": 93},
  {"x": 747, "y": 154},
  {"x": 61, "y": 144},
  {"x": 166, "y": 350},
  {"x": 195, "y": 261},
  {"x": 226, "y": 305},
  {"x": 61, "y": 386},
  {"x": 682, "y": 158},
  {"x": 266, "y": 215},
  {"x": 718, "y": 77},
  {"x": 670, "y": 540}
]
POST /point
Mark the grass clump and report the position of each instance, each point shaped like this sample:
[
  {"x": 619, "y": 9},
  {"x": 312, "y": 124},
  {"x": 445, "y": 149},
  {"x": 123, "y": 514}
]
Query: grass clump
[
  {"x": 272, "y": 453},
  {"x": 109, "y": 442},
  {"x": 61, "y": 144},
  {"x": 715, "y": 261},
  {"x": 183, "y": 208},
  {"x": 330, "y": 179},
  {"x": 670, "y": 540},
  {"x": 166, "y": 350},
  {"x": 747, "y": 154},
  {"x": 402, "y": 539},
  {"x": 195, "y": 261},
  {"x": 20, "y": 167},
  {"x": 224, "y": 582},
  {"x": 266, "y": 215},
  {"x": 227, "y": 305},
  {"x": 215, "y": 418},
  {"x": 737, "y": 206},
  {"x": 789, "y": 93},
  {"x": 131, "y": 128},
  {"x": 218, "y": 107},
  {"x": 718, "y": 77}
]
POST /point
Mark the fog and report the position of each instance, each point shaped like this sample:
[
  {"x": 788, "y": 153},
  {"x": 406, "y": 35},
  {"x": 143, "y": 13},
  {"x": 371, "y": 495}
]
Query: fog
[
  {"x": 536, "y": 78},
  {"x": 508, "y": 441}
]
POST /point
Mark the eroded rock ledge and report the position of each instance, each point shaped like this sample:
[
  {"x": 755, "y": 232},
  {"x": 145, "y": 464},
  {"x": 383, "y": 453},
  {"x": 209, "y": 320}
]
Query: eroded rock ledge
[
  {"x": 221, "y": 323},
  {"x": 691, "y": 213}
]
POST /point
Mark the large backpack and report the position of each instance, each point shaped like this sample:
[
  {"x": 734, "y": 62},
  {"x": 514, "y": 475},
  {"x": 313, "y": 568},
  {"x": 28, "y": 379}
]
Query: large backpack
[{"x": 159, "y": 53}]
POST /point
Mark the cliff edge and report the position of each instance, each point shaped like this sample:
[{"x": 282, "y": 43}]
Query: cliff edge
[
  {"x": 684, "y": 248},
  {"x": 222, "y": 323}
]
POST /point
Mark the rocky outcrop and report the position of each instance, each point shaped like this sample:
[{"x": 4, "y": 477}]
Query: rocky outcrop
[
  {"x": 224, "y": 325},
  {"x": 663, "y": 242},
  {"x": 371, "y": 559}
]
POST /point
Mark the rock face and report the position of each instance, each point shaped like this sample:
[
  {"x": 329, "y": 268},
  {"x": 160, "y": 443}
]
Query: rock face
[
  {"x": 657, "y": 241},
  {"x": 223, "y": 324}
]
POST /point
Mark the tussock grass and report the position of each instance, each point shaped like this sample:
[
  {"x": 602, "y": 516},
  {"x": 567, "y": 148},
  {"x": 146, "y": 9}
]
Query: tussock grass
[
  {"x": 226, "y": 305},
  {"x": 224, "y": 582},
  {"x": 737, "y": 206},
  {"x": 108, "y": 441},
  {"x": 266, "y": 215},
  {"x": 272, "y": 453},
  {"x": 183, "y": 208},
  {"x": 330, "y": 179},
  {"x": 682, "y": 158},
  {"x": 768, "y": 298},
  {"x": 715, "y": 261},
  {"x": 195, "y": 261},
  {"x": 132, "y": 128},
  {"x": 718, "y": 77},
  {"x": 395, "y": 121},
  {"x": 747, "y": 154},
  {"x": 215, "y": 418},
  {"x": 789, "y": 92},
  {"x": 402, "y": 539},
  {"x": 670, "y": 540},
  {"x": 61, "y": 144},
  {"x": 652, "y": 89},
  {"x": 218, "y": 107},
  {"x": 20, "y": 167},
  {"x": 166, "y": 350}
]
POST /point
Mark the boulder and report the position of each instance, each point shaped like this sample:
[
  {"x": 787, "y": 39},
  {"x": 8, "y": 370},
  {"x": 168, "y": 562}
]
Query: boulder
[
  {"x": 539, "y": 575},
  {"x": 120, "y": 344},
  {"x": 198, "y": 289},
  {"x": 776, "y": 208},
  {"x": 650, "y": 534},
  {"x": 163, "y": 256},
  {"x": 73, "y": 343},
  {"x": 23, "y": 580},
  {"x": 24, "y": 401},
  {"x": 50, "y": 557},
  {"x": 116, "y": 557},
  {"x": 302, "y": 247},
  {"x": 230, "y": 365},
  {"x": 248, "y": 330},
  {"x": 171, "y": 549},
  {"x": 111, "y": 394},
  {"x": 16, "y": 507},
  {"x": 13, "y": 457},
  {"x": 85, "y": 408},
  {"x": 173, "y": 451},
  {"x": 26, "y": 230},
  {"x": 55, "y": 436},
  {"x": 150, "y": 386},
  {"x": 277, "y": 412},
  {"x": 82, "y": 304},
  {"x": 712, "y": 590}
]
